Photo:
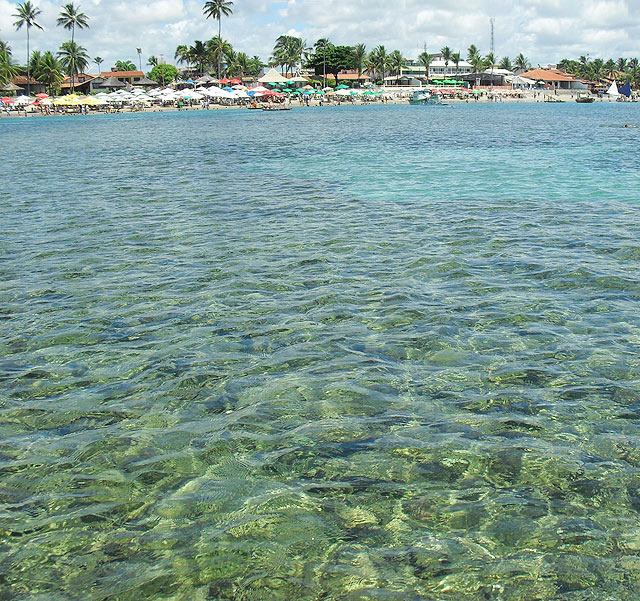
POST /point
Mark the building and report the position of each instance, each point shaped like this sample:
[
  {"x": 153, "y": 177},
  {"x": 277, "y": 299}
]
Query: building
[
  {"x": 556, "y": 79},
  {"x": 35, "y": 86},
  {"x": 82, "y": 83},
  {"x": 438, "y": 69},
  {"x": 129, "y": 78}
]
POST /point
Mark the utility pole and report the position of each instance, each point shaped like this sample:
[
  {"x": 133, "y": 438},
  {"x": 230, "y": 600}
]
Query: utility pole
[{"x": 140, "y": 57}]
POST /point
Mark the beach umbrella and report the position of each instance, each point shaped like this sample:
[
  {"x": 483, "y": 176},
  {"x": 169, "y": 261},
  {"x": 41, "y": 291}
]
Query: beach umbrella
[
  {"x": 7, "y": 100},
  {"x": 287, "y": 90},
  {"x": 342, "y": 87},
  {"x": 24, "y": 100}
]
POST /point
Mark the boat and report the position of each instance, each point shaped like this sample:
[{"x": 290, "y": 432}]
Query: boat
[
  {"x": 274, "y": 107},
  {"x": 585, "y": 99},
  {"x": 427, "y": 97}
]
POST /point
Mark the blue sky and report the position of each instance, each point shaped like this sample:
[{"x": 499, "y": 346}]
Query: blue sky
[{"x": 544, "y": 30}]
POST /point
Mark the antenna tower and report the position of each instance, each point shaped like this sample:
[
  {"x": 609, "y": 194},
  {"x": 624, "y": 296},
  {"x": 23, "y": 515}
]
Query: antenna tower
[{"x": 492, "y": 21}]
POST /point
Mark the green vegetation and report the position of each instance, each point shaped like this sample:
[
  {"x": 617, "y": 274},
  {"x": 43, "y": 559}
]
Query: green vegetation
[
  {"x": 597, "y": 69},
  {"x": 125, "y": 66},
  {"x": 163, "y": 73}
]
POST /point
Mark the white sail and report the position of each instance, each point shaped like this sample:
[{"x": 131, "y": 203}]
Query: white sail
[{"x": 613, "y": 90}]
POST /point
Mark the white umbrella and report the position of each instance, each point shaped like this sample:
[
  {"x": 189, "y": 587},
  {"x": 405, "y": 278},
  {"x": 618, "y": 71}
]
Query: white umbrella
[{"x": 24, "y": 100}]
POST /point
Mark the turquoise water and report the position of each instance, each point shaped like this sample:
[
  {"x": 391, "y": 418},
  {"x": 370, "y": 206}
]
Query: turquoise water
[{"x": 336, "y": 353}]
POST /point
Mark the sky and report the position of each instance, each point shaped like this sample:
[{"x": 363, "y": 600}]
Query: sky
[{"x": 545, "y": 31}]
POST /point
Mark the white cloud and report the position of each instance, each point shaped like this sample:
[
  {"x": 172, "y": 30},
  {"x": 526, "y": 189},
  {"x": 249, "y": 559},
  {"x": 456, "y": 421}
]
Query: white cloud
[{"x": 544, "y": 30}]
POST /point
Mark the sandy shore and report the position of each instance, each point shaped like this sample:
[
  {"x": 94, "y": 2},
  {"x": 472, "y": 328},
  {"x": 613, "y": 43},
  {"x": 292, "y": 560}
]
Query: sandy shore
[{"x": 400, "y": 97}]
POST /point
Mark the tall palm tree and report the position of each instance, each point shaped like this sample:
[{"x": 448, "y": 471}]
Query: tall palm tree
[
  {"x": 26, "y": 15},
  {"x": 424, "y": 58},
  {"x": 322, "y": 45},
  {"x": 74, "y": 58},
  {"x": 50, "y": 71},
  {"x": 152, "y": 61},
  {"x": 396, "y": 62},
  {"x": 70, "y": 18},
  {"x": 359, "y": 56},
  {"x": 455, "y": 59},
  {"x": 446, "y": 57},
  {"x": 380, "y": 60},
  {"x": 217, "y": 9},
  {"x": 471, "y": 52},
  {"x": 98, "y": 60}
]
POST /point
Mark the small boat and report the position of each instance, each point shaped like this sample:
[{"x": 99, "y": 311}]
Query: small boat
[
  {"x": 427, "y": 97},
  {"x": 274, "y": 107},
  {"x": 585, "y": 99}
]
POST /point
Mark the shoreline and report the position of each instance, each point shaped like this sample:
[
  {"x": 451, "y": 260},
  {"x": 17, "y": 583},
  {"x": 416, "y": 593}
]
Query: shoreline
[{"x": 527, "y": 98}]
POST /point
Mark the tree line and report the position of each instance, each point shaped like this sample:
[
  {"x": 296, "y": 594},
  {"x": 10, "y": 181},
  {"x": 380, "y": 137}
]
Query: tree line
[
  {"x": 622, "y": 69},
  {"x": 289, "y": 53}
]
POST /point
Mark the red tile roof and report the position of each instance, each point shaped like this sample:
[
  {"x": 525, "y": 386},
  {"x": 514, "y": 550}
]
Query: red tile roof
[
  {"x": 21, "y": 80},
  {"x": 547, "y": 75},
  {"x": 106, "y": 74}
]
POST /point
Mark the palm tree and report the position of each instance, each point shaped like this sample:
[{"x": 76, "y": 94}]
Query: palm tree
[
  {"x": 216, "y": 9},
  {"x": 424, "y": 58},
  {"x": 396, "y": 62},
  {"x": 521, "y": 62},
  {"x": 98, "y": 60},
  {"x": 50, "y": 71},
  {"x": 5, "y": 48},
  {"x": 26, "y": 15},
  {"x": 505, "y": 63},
  {"x": 455, "y": 59},
  {"x": 218, "y": 49},
  {"x": 471, "y": 52},
  {"x": 125, "y": 66},
  {"x": 70, "y": 18},
  {"x": 240, "y": 64},
  {"x": 34, "y": 61},
  {"x": 153, "y": 61},
  {"x": 182, "y": 54},
  {"x": 380, "y": 60},
  {"x": 621, "y": 64},
  {"x": 359, "y": 56},
  {"x": 7, "y": 70},
  {"x": 323, "y": 44},
  {"x": 288, "y": 52},
  {"x": 74, "y": 58},
  {"x": 446, "y": 57},
  {"x": 200, "y": 55},
  {"x": 610, "y": 68}
]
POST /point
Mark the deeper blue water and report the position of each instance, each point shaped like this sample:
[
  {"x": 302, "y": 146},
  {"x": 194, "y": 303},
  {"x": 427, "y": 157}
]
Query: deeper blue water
[{"x": 331, "y": 354}]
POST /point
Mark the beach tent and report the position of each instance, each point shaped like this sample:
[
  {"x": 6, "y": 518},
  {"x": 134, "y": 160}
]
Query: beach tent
[
  {"x": 10, "y": 87},
  {"x": 272, "y": 76},
  {"x": 112, "y": 82},
  {"x": 145, "y": 82}
]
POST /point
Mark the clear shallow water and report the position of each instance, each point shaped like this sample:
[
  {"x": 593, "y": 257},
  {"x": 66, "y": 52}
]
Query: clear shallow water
[{"x": 356, "y": 353}]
